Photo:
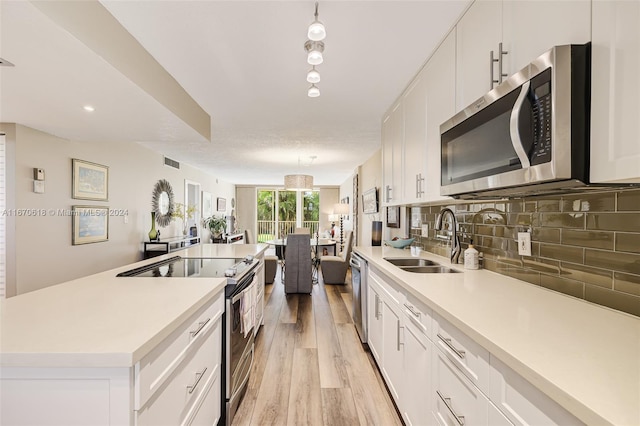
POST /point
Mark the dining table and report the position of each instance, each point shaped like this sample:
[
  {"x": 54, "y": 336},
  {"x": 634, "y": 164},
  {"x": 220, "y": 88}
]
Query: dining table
[{"x": 280, "y": 245}]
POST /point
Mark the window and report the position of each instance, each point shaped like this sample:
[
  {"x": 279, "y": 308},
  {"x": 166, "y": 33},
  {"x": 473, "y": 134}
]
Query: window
[{"x": 280, "y": 212}]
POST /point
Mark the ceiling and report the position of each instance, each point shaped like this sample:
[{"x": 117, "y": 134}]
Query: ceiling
[{"x": 239, "y": 67}]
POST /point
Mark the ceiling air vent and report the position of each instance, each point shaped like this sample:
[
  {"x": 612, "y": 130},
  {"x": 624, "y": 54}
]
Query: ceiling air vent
[
  {"x": 5, "y": 63},
  {"x": 171, "y": 163}
]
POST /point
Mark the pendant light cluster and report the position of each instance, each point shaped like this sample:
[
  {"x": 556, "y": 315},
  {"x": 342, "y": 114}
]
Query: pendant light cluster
[{"x": 314, "y": 48}]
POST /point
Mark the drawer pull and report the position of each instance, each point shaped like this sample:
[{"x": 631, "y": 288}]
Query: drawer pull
[
  {"x": 398, "y": 340},
  {"x": 447, "y": 403},
  {"x": 199, "y": 377},
  {"x": 412, "y": 310},
  {"x": 200, "y": 327},
  {"x": 450, "y": 345}
]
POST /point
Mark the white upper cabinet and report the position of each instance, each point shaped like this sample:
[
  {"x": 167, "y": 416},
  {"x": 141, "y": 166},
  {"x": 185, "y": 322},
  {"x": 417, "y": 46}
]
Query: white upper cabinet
[
  {"x": 392, "y": 145},
  {"x": 615, "y": 127},
  {"x": 530, "y": 28},
  {"x": 415, "y": 138},
  {"x": 478, "y": 33},
  {"x": 526, "y": 29},
  {"x": 440, "y": 75}
]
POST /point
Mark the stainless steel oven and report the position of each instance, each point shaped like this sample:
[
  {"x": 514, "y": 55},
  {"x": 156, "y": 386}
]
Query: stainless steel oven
[
  {"x": 528, "y": 135},
  {"x": 237, "y": 347}
]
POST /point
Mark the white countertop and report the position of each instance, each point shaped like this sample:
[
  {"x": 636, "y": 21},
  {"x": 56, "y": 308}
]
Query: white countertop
[
  {"x": 583, "y": 356},
  {"x": 105, "y": 321}
]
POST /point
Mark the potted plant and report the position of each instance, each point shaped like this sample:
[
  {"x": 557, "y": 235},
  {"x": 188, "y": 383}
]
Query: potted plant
[
  {"x": 184, "y": 216},
  {"x": 216, "y": 225}
]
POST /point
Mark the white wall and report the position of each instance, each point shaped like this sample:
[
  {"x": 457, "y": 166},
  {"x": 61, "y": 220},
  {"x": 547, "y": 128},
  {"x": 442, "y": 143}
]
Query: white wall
[
  {"x": 370, "y": 177},
  {"x": 246, "y": 210},
  {"x": 43, "y": 253},
  {"x": 328, "y": 197}
]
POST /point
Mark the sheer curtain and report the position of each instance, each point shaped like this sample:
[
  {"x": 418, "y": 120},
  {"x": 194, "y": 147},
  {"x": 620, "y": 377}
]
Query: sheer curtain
[{"x": 3, "y": 220}]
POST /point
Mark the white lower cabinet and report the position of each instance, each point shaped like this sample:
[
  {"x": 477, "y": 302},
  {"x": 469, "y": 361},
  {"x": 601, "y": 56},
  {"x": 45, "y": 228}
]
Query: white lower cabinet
[
  {"x": 437, "y": 375},
  {"x": 184, "y": 389},
  {"x": 456, "y": 401},
  {"x": 176, "y": 383},
  {"x": 521, "y": 402},
  {"x": 470, "y": 358},
  {"x": 374, "y": 332},
  {"x": 415, "y": 404},
  {"x": 385, "y": 328},
  {"x": 392, "y": 365}
]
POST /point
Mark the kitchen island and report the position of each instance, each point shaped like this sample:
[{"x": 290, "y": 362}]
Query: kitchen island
[
  {"x": 97, "y": 331},
  {"x": 583, "y": 356}
]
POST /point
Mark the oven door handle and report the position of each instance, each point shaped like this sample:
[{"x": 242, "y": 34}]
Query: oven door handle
[{"x": 514, "y": 131}]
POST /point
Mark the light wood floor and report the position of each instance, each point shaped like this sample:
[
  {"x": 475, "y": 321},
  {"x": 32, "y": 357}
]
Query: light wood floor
[{"x": 310, "y": 367}]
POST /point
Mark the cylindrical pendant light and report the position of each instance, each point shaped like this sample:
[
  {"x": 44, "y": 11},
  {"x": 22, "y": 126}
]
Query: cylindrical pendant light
[{"x": 298, "y": 182}]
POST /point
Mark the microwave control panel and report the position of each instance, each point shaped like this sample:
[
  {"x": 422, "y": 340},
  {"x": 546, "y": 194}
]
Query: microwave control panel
[{"x": 540, "y": 97}]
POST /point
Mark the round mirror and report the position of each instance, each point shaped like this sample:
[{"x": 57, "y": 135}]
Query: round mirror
[{"x": 162, "y": 202}]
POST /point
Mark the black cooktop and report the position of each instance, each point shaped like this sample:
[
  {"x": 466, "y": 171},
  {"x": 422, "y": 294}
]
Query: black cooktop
[{"x": 192, "y": 267}]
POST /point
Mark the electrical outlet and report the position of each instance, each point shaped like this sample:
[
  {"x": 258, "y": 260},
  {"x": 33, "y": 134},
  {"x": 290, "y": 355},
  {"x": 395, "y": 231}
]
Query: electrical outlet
[
  {"x": 425, "y": 229},
  {"x": 524, "y": 243}
]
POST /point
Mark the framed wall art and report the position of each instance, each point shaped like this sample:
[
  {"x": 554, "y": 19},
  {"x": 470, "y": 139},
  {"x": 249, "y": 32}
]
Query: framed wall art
[
  {"x": 393, "y": 217},
  {"x": 90, "y": 181},
  {"x": 370, "y": 201},
  {"x": 207, "y": 204},
  {"x": 89, "y": 224},
  {"x": 221, "y": 204}
]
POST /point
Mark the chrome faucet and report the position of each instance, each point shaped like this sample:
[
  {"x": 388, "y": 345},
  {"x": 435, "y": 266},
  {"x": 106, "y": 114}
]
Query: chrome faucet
[{"x": 455, "y": 240}]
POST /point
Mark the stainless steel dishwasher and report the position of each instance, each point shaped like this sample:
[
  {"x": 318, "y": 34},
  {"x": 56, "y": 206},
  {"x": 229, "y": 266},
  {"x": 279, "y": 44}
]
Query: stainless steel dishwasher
[{"x": 359, "y": 268}]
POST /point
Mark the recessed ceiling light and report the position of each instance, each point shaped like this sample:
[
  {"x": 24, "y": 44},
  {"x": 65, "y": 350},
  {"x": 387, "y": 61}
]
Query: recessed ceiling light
[{"x": 89, "y": 108}]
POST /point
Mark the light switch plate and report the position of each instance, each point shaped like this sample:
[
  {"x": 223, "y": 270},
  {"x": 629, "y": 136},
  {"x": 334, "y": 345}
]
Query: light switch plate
[
  {"x": 425, "y": 229},
  {"x": 524, "y": 243},
  {"x": 38, "y": 186}
]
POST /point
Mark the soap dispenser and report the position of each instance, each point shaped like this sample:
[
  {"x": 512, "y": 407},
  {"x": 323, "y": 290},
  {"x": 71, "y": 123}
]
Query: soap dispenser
[{"x": 471, "y": 257}]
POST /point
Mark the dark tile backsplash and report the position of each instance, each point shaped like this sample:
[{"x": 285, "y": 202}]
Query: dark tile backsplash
[{"x": 583, "y": 245}]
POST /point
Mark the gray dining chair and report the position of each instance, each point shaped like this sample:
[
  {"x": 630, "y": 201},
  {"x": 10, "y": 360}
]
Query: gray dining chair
[
  {"x": 334, "y": 268},
  {"x": 298, "y": 278}
]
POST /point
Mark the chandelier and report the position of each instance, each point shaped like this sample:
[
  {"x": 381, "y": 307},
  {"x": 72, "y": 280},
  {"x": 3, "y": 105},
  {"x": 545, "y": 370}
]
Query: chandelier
[{"x": 314, "y": 48}]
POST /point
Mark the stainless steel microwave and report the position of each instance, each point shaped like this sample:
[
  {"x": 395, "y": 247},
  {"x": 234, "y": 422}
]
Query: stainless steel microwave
[{"x": 529, "y": 135}]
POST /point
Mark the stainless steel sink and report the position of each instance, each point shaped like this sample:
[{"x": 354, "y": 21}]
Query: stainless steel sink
[
  {"x": 429, "y": 269},
  {"x": 410, "y": 261}
]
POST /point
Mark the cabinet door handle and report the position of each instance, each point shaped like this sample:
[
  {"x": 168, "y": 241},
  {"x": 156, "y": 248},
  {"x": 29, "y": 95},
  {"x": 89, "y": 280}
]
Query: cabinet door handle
[
  {"x": 398, "y": 340},
  {"x": 419, "y": 180},
  {"x": 199, "y": 377},
  {"x": 501, "y": 54},
  {"x": 388, "y": 193},
  {"x": 377, "y": 309},
  {"x": 492, "y": 80},
  {"x": 447, "y": 403},
  {"x": 200, "y": 327},
  {"x": 500, "y": 61},
  {"x": 412, "y": 310},
  {"x": 450, "y": 345}
]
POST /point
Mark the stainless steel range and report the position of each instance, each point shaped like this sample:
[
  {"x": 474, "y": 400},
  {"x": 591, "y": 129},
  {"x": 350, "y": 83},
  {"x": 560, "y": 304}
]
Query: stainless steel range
[{"x": 237, "y": 343}]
